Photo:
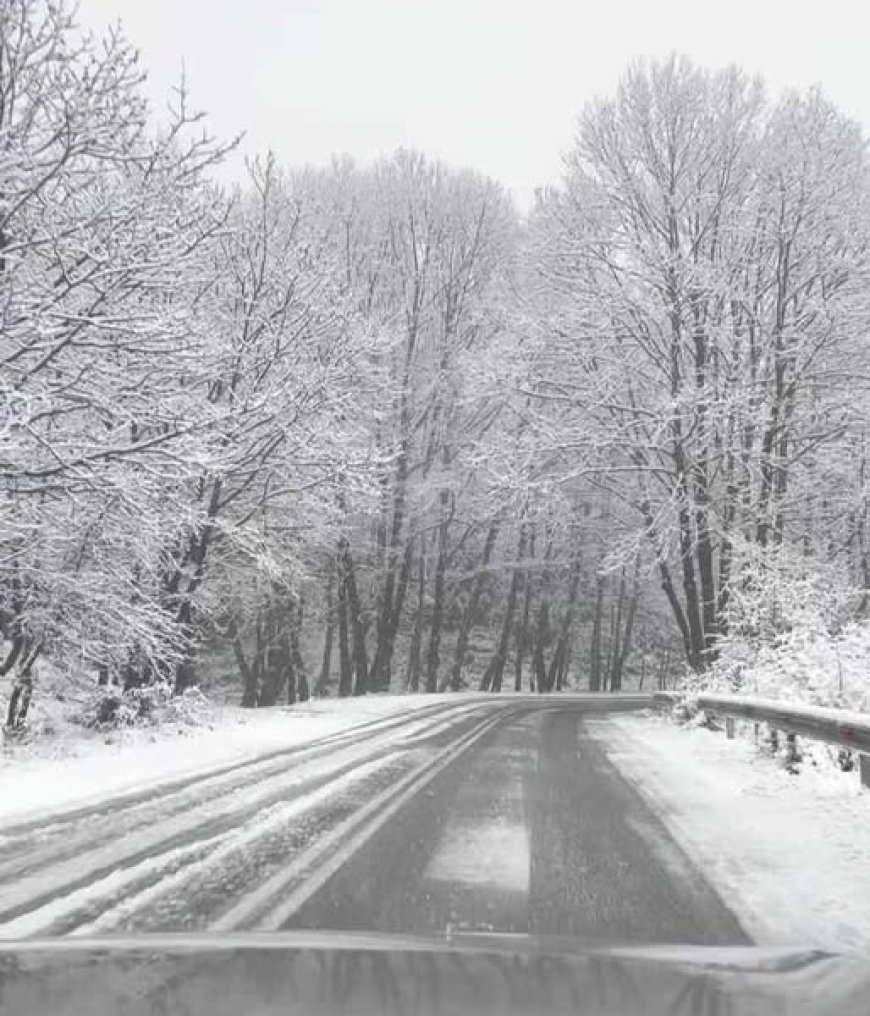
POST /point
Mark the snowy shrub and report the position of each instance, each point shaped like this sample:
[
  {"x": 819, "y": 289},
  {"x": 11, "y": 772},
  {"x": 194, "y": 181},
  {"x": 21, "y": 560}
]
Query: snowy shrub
[
  {"x": 791, "y": 635},
  {"x": 152, "y": 705},
  {"x": 686, "y": 711},
  {"x": 808, "y": 664},
  {"x": 111, "y": 708},
  {"x": 191, "y": 709}
]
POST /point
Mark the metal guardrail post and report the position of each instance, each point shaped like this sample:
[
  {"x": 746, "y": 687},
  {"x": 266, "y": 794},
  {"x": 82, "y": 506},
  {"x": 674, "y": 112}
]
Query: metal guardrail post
[
  {"x": 849, "y": 730},
  {"x": 792, "y": 755}
]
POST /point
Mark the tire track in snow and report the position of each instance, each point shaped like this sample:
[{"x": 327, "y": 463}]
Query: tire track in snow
[
  {"x": 61, "y": 889},
  {"x": 32, "y": 855},
  {"x": 108, "y": 901},
  {"x": 54, "y": 821}
]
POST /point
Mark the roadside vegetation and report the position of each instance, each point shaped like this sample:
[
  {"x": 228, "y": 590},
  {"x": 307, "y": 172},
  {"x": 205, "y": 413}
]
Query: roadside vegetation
[{"x": 355, "y": 429}]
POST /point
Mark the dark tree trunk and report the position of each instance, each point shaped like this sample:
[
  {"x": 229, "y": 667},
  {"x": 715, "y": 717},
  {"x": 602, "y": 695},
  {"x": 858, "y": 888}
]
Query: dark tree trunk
[
  {"x": 562, "y": 673},
  {"x": 595, "y": 643},
  {"x": 386, "y": 670},
  {"x": 387, "y": 623},
  {"x": 492, "y": 678},
  {"x": 542, "y": 633},
  {"x": 381, "y": 672},
  {"x": 15, "y": 651},
  {"x": 185, "y": 672},
  {"x": 360, "y": 657},
  {"x": 520, "y": 635},
  {"x": 624, "y": 647},
  {"x": 291, "y": 684},
  {"x": 250, "y": 692},
  {"x": 19, "y": 703},
  {"x": 664, "y": 670},
  {"x": 469, "y": 615},
  {"x": 345, "y": 672},
  {"x": 415, "y": 653},
  {"x": 559, "y": 663},
  {"x": 298, "y": 670},
  {"x": 690, "y": 583},
  {"x": 290, "y": 670},
  {"x": 433, "y": 653},
  {"x": 667, "y": 582},
  {"x": 523, "y": 629},
  {"x": 22, "y": 692},
  {"x": 276, "y": 674},
  {"x": 706, "y": 572},
  {"x": 322, "y": 682}
]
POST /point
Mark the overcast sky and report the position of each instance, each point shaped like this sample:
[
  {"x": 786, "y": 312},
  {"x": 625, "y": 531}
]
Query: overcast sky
[{"x": 492, "y": 84}]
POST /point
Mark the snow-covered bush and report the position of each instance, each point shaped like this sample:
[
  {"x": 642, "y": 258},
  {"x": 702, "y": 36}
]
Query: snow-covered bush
[
  {"x": 791, "y": 635},
  {"x": 152, "y": 705},
  {"x": 110, "y": 708}
]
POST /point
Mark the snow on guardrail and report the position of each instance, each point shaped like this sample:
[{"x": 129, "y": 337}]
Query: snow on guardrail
[{"x": 842, "y": 727}]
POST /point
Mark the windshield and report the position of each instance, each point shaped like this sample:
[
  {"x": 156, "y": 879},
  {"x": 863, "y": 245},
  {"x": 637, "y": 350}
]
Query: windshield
[{"x": 432, "y": 467}]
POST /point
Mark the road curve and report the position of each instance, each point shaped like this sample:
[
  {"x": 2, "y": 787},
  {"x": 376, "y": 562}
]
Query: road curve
[
  {"x": 483, "y": 816},
  {"x": 535, "y": 833}
]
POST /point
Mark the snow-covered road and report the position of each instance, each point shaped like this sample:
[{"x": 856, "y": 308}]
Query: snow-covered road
[
  {"x": 790, "y": 854},
  {"x": 78, "y": 768},
  {"x": 174, "y": 857},
  {"x": 629, "y": 827}
]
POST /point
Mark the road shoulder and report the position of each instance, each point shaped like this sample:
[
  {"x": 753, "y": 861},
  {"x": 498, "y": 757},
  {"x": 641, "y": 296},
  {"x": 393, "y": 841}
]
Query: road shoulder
[{"x": 790, "y": 855}]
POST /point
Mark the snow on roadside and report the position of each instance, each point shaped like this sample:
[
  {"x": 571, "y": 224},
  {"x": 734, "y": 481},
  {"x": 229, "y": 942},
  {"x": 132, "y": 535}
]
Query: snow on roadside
[
  {"x": 789, "y": 854},
  {"x": 54, "y": 775}
]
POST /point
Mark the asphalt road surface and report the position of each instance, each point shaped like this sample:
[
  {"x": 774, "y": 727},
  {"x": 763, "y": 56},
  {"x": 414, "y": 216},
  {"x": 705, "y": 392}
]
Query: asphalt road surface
[
  {"x": 534, "y": 832},
  {"x": 480, "y": 817}
]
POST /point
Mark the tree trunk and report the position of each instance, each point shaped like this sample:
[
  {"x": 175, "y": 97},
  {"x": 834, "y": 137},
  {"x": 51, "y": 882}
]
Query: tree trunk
[
  {"x": 250, "y": 692},
  {"x": 625, "y": 639},
  {"x": 322, "y": 681},
  {"x": 562, "y": 674},
  {"x": 690, "y": 585},
  {"x": 523, "y": 640},
  {"x": 492, "y": 678},
  {"x": 414, "y": 656},
  {"x": 299, "y": 672},
  {"x": 185, "y": 672},
  {"x": 469, "y": 615},
  {"x": 433, "y": 654},
  {"x": 22, "y": 692},
  {"x": 595, "y": 642},
  {"x": 666, "y": 580},
  {"x": 345, "y": 672},
  {"x": 559, "y": 663},
  {"x": 387, "y": 624},
  {"x": 291, "y": 679},
  {"x": 541, "y": 634},
  {"x": 663, "y": 672},
  {"x": 611, "y": 649},
  {"x": 276, "y": 672},
  {"x": 360, "y": 658}
]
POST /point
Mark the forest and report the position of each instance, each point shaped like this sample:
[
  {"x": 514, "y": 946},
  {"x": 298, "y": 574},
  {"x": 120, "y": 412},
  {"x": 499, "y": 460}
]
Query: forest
[{"x": 369, "y": 427}]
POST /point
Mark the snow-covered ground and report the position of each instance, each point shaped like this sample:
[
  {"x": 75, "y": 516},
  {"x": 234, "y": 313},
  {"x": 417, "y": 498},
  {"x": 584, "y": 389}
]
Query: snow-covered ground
[
  {"x": 790, "y": 854},
  {"x": 79, "y": 768}
]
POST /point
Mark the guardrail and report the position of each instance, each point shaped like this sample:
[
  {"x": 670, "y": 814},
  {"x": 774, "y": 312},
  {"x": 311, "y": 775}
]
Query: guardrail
[{"x": 841, "y": 727}]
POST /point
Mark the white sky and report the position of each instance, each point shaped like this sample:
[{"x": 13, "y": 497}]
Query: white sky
[{"x": 491, "y": 84}]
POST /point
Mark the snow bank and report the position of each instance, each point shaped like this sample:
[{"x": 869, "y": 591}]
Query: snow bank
[
  {"x": 789, "y": 854},
  {"x": 79, "y": 769}
]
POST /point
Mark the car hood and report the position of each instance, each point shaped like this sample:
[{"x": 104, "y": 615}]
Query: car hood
[{"x": 326, "y": 973}]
